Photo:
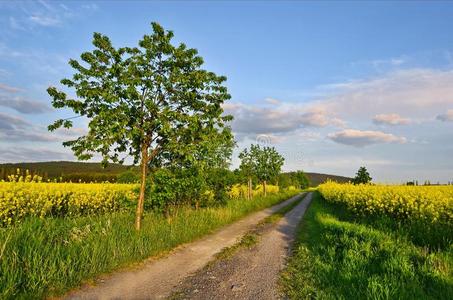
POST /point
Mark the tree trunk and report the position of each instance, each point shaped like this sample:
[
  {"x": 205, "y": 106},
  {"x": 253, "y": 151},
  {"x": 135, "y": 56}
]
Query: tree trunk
[
  {"x": 264, "y": 188},
  {"x": 141, "y": 198},
  {"x": 249, "y": 189}
]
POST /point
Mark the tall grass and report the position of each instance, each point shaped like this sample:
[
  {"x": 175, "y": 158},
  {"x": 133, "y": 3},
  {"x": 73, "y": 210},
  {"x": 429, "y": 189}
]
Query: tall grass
[
  {"x": 45, "y": 257},
  {"x": 340, "y": 255}
]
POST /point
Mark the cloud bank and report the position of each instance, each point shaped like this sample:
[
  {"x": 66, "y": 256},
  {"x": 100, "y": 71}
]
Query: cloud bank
[
  {"x": 390, "y": 119},
  {"x": 359, "y": 138}
]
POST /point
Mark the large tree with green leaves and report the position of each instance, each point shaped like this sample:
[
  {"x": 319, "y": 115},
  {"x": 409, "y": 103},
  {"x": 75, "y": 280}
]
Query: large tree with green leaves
[
  {"x": 152, "y": 102},
  {"x": 264, "y": 163}
]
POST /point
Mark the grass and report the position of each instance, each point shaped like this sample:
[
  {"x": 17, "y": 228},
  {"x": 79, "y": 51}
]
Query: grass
[
  {"x": 342, "y": 256},
  {"x": 247, "y": 241},
  {"x": 47, "y": 257}
]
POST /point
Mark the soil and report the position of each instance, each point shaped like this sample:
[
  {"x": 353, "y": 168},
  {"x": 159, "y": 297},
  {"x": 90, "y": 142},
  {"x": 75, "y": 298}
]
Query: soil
[
  {"x": 251, "y": 273},
  {"x": 159, "y": 278}
]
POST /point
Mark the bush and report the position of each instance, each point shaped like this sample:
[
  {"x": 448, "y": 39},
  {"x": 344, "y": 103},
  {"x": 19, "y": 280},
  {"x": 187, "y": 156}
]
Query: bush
[
  {"x": 297, "y": 179},
  {"x": 178, "y": 187},
  {"x": 128, "y": 177}
]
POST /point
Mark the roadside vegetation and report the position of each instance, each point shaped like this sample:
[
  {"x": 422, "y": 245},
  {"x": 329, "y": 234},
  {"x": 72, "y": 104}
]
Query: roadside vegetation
[
  {"x": 346, "y": 253},
  {"x": 43, "y": 257}
]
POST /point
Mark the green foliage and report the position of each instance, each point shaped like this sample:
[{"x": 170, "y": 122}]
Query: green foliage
[
  {"x": 297, "y": 179},
  {"x": 176, "y": 187},
  {"x": 155, "y": 96},
  {"x": 362, "y": 176},
  {"x": 170, "y": 187},
  {"x": 302, "y": 179},
  {"x": 339, "y": 255},
  {"x": 219, "y": 181},
  {"x": 45, "y": 257},
  {"x": 154, "y": 103},
  {"x": 247, "y": 164},
  {"x": 263, "y": 163},
  {"x": 128, "y": 177}
]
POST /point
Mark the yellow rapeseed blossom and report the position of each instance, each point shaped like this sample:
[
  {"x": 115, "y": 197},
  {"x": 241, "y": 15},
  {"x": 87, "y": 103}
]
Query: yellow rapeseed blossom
[
  {"x": 430, "y": 203},
  {"x": 240, "y": 190},
  {"x": 21, "y": 199}
]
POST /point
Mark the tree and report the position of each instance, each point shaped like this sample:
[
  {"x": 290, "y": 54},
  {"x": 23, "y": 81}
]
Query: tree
[
  {"x": 302, "y": 179},
  {"x": 152, "y": 102},
  {"x": 362, "y": 176},
  {"x": 247, "y": 168},
  {"x": 264, "y": 163}
]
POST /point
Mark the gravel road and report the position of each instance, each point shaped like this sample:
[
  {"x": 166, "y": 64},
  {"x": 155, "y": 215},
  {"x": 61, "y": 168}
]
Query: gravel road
[
  {"x": 250, "y": 273},
  {"x": 157, "y": 279}
]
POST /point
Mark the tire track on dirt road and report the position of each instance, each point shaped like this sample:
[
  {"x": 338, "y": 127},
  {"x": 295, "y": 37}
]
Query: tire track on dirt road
[
  {"x": 158, "y": 278},
  {"x": 250, "y": 273}
]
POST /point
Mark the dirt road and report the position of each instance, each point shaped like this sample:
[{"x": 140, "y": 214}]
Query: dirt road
[
  {"x": 157, "y": 279},
  {"x": 250, "y": 273}
]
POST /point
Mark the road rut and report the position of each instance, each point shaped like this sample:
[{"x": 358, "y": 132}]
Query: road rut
[
  {"x": 250, "y": 273},
  {"x": 157, "y": 279}
]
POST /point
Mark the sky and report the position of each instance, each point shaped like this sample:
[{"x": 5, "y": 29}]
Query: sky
[{"x": 331, "y": 85}]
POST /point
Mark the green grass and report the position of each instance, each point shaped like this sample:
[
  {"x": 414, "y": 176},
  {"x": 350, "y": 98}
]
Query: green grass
[
  {"x": 247, "y": 241},
  {"x": 45, "y": 257},
  {"x": 342, "y": 256}
]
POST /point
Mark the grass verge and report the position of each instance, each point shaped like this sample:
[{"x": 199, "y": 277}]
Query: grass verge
[
  {"x": 46, "y": 257},
  {"x": 342, "y": 256}
]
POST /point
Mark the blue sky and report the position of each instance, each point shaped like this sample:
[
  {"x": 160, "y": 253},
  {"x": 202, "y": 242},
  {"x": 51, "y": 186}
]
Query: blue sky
[{"x": 332, "y": 85}]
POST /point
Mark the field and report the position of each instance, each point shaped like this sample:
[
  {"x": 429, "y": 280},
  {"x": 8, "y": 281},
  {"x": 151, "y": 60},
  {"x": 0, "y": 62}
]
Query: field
[
  {"x": 19, "y": 200},
  {"x": 56, "y": 235},
  {"x": 374, "y": 242}
]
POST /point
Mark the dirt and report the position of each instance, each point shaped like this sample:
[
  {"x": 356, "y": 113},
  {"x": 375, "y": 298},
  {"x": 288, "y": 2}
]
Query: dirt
[
  {"x": 158, "y": 279},
  {"x": 251, "y": 273}
]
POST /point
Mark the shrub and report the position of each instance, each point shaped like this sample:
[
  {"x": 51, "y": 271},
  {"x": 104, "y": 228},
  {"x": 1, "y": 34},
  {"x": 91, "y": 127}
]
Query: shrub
[{"x": 128, "y": 177}]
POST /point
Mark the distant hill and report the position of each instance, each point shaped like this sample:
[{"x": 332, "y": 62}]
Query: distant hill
[
  {"x": 57, "y": 169},
  {"x": 71, "y": 169},
  {"x": 317, "y": 178}
]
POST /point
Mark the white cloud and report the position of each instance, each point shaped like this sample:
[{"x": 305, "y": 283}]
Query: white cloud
[
  {"x": 71, "y": 132},
  {"x": 25, "y": 154},
  {"x": 310, "y": 136},
  {"x": 447, "y": 117},
  {"x": 417, "y": 93},
  {"x": 359, "y": 138},
  {"x": 44, "y": 20},
  {"x": 9, "y": 89},
  {"x": 23, "y": 105},
  {"x": 272, "y": 101},
  {"x": 9, "y": 122},
  {"x": 278, "y": 119},
  {"x": 90, "y": 6},
  {"x": 390, "y": 119}
]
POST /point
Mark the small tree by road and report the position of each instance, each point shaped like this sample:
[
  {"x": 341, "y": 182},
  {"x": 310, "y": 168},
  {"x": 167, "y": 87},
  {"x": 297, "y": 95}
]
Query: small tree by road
[
  {"x": 153, "y": 103},
  {"x": 264, "y": 163},
  {"x": 247, "y": 169},
  {"x": 362, "y": 176}
]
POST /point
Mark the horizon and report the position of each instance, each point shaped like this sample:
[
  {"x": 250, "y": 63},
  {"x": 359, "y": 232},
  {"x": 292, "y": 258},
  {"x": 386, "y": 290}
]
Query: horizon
[{"x": 332, "y": 86}]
